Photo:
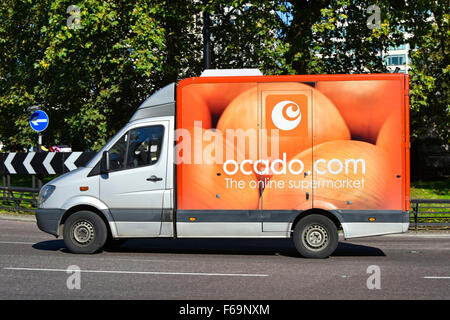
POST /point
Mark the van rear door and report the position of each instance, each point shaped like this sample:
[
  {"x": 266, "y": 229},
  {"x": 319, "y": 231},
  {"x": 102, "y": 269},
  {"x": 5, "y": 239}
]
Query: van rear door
[{"x": 286, "y": 112}]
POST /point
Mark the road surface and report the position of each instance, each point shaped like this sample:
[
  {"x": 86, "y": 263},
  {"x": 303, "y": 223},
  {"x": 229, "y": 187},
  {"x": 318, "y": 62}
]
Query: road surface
[{"x": 33, "y": 265}]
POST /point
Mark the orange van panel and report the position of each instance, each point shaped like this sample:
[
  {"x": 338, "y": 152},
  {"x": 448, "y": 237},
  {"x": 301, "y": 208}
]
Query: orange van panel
[{"x": 293, "y": 142}]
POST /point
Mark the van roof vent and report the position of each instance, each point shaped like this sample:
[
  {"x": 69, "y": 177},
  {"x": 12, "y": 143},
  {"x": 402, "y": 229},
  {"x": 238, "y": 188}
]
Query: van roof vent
[{"x": 230, "y": 72}]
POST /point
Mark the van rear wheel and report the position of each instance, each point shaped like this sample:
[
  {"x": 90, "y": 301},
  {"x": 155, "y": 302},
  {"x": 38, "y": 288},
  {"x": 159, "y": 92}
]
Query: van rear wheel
[
  {"x": 315, "y": 236},
  {"x": 84, "y": 232}
]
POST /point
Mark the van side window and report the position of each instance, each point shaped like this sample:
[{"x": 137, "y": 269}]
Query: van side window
[
  {"x": 144, "y": 147},
  {"x": 117, "y": 153}
]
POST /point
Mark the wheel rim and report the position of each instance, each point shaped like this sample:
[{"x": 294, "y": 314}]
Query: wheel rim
[
  {"x": 83, "y": 232},
  {"x": 315, "y": 237}
]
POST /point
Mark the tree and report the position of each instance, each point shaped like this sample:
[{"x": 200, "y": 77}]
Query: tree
[
  {"x": 89, "y": 66},
  {"x": 344, "y": 36},
  {"x": 428, "y": 24},
  {"x": 334, "y": 37},
  {"x": 246, "y": 34}
]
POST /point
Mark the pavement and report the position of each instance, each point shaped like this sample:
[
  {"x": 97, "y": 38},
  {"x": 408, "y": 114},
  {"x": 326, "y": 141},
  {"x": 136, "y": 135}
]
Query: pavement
[
  {"x": 34, "y": 265},
  {"x": 17, "y": 217}
]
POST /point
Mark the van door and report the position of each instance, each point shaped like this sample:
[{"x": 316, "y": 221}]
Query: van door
[
  {"x": 134, "y": 188},
  {"x": 286, "y": 117}
]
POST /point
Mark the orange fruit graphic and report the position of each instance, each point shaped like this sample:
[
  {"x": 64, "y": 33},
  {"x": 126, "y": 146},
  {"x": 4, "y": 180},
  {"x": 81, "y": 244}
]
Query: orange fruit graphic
[
  {"x": 244, "y": 113},
  {"x": 365, "y": 105},
  {"x": 205, "y": 185},
  {"x": 389, "y": 139},
  {"x": 348, "y": 175}
]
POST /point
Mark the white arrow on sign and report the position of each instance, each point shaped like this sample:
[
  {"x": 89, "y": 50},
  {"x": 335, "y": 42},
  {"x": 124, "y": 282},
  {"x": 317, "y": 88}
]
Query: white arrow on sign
[
  {"x": 71, "y": 159},
  {"x": 26, "y": 163},
  {"x": 47, "y": 164},
  {"x": 35, "y": 122},
  {"x": 8, "y": 163}
]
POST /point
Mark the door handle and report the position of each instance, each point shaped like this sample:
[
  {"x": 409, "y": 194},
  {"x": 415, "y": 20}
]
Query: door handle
[{"x": 154, "y": 178}]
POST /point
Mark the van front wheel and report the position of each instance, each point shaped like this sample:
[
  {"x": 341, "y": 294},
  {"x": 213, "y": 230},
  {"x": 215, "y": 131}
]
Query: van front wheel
[
  {"x": 84, "y": 232},
  {"x": 315, "y": 236}
]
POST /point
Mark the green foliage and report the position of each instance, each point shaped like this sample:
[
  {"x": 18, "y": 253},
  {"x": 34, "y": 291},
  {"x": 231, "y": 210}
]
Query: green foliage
[
  {"x": 245, "y": 34},
  {"x": 433, "y": 189},
  {"x": 88, "y": 79},
  {"x": 428, "y": 23},
  {"x": 91, "y": 75},
  {"x": 344, "y": 41}
]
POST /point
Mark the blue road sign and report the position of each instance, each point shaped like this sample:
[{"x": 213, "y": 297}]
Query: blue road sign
[{"x": 39, "y": 121}]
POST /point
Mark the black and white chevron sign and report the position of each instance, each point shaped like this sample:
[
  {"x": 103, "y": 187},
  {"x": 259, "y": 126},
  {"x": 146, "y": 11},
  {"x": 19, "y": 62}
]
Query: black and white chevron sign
[{"x": 43, "y": 162}]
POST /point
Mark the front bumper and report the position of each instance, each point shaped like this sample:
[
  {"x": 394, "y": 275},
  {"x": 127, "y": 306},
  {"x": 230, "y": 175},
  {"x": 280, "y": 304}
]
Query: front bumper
[{"x": 48, "y": 220}]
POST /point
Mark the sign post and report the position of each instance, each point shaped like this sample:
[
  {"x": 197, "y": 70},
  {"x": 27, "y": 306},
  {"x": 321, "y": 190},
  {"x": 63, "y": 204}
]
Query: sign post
[{"x": 39, "y": 122}]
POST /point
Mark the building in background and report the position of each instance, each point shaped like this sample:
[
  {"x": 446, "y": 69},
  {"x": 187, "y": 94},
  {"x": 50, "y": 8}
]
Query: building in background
[{"x": 397, "y": 58}]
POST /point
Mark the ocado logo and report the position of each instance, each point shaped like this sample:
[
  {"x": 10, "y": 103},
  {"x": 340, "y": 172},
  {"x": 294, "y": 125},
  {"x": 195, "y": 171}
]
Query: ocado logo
[{"x": 286, "y": 115}]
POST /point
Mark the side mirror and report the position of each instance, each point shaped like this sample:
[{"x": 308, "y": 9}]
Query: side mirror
[{"x": 104, "y": 162}]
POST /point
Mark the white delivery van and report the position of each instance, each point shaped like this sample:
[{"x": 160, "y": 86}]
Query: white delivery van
[{"x": 237, "y": 154}]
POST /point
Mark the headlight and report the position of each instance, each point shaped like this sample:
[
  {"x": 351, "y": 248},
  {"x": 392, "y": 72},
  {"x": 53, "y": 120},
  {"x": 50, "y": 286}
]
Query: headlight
[{"x": 45, "y": 193}]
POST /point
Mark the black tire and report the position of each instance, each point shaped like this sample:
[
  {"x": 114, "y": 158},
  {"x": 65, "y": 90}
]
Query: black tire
[
  {"x": 315, "y": 236},
  {"x": 84, "y": 232}
]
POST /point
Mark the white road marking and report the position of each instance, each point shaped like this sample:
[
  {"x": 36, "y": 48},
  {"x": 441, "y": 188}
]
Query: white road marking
[
  {"x": 143, "y": 260},
  {"x": 435, "y": 277},
  {"x": 16, "y": 242},
  {"x": 148, "y": 272},
  {"x": 418, "y": 235}
]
